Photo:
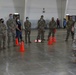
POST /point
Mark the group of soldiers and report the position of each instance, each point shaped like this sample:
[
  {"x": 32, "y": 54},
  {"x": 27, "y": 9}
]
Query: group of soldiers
[
  {"x": 10, "y": 29},
  {"x": 15, "y": 30},
  {"x": 41, "y": 29},
  {"x": 52, "y": 27}
]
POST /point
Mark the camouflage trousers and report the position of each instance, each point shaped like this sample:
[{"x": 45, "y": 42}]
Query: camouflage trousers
[
  {"x": 2, "y": 41},
  {"x": 27, "y": 36},
  {"x": 13, "y": 36},
  {"x": 51, "y": 32},
  {"x": 68, "y": 33},
  {"x": 40, "y": 35}
]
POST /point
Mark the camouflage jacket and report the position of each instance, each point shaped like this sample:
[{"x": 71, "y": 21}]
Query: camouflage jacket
[
  {"x": 27, "y": 25},
  {"x": 41, "y": 24},
  {"x": 2, "y": 29},
  {"x": 52, "y": 24},
  {"x": 70, "y": 23},
  {"x": 11, "y": 24}
]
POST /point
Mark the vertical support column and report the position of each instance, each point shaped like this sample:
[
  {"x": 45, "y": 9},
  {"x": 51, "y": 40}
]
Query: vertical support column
[
  {"x": 63, "y": 10},
  {"x": 25, "y": 10},
  {"x": 66, "y": 8}
]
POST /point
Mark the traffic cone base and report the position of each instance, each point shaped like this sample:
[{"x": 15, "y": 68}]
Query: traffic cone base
[
  {"x": 50, "y": 42},
  {"x": 22, "y": 47}
]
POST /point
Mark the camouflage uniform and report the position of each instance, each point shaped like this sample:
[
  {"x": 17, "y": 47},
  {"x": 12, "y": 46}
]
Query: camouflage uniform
[
  {"x": 52, "y": 27},
  {"x": 2, "y": 34},
  {"x": 41, "y": 26},
  {"x": 27, "y": 25},
  {"x": 74, "y": 41},
  {"x": 11, "y": 24},
  {"x": 70, "y": 23}
]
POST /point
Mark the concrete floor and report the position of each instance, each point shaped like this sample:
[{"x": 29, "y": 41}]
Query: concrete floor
[{"x": 39, "y": 58}]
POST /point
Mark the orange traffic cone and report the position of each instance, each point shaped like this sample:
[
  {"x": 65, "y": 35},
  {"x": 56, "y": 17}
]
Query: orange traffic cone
[
  {"x": 16, "y": 42},
  {"x": 22, "y": 47},
  {"x": 54, "y": 40},
  {"x": 50, "y": 41}
]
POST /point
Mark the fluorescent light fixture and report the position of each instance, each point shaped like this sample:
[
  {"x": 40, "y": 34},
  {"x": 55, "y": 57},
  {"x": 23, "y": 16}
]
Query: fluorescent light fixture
[
  {"x": 67, "y": 14},
  {"x": 16, "y": 13}
]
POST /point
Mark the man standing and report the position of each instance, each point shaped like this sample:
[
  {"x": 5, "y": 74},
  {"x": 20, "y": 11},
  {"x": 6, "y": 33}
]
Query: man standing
[
  {"x": 27, "y": 25},
  {"x": 2, "y": 34},
  {"x": 11, "y": 24},
  {"x": 69, "y": 25},
  {"x": 52, "y": 27},
  {"x": 41, "y": 26}
]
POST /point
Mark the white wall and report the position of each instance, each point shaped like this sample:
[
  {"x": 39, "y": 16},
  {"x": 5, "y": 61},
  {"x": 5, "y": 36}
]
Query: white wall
[
  {"x": 71, "y": 8},
  {"x": 53, "y": 8},
  {"x": 11, "y": 6},
  {"x": 35, "y": 8}
]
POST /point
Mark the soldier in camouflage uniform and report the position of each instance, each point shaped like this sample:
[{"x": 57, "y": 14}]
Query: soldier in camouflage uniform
[
  {"x": 41, "y": 26},
  {"x": 2, "y": 34},
  {"x": 52, "y": 27},
  {"x": 27, "y": 25},
  {"x": 11, "y": 24},
  {"x": 70, "y": 23}
]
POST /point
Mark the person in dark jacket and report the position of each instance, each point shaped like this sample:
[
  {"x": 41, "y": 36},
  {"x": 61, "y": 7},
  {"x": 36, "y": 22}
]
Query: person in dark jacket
[{"x": 18, "y": 29}]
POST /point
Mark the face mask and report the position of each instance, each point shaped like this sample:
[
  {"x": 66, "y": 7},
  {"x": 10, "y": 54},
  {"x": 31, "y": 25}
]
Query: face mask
[{"x": 27, "y": 18}]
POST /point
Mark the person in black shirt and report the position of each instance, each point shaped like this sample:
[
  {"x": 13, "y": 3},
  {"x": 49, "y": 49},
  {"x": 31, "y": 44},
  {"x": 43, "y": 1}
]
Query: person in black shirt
[{"x": 18, "y": 29}]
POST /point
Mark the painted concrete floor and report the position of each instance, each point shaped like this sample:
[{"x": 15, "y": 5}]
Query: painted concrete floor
[{"x": 39, "y": 58}]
